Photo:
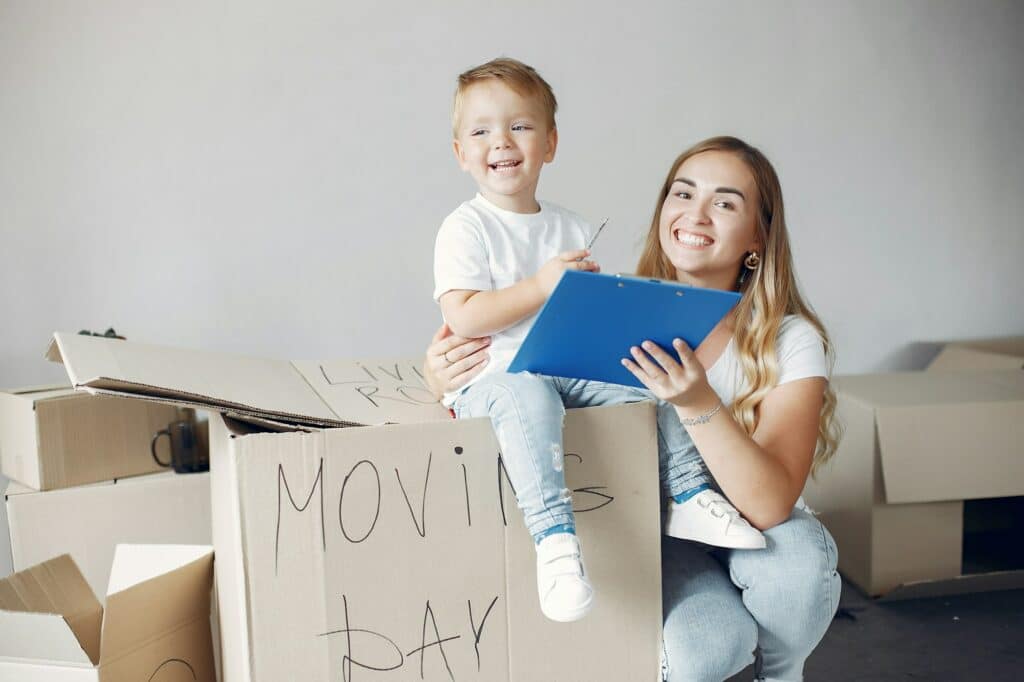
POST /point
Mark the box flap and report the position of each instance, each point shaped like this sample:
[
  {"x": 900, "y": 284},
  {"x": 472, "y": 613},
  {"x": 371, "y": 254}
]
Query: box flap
[
  {"x": 40, "y": 392},
  {"x": 154, "y": 589},
  {"x": 217, "y": 381},
  {"x": 374, "y": 391},
  {"x": 980, "y": 354},
  {"x": 947, "y": 436},
  {"x": 48, "y": 612}
]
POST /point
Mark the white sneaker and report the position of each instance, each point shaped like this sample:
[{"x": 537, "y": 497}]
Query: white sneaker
[
  {"x": 709, "y": 518},
  {"x": 562, "y": 585}
]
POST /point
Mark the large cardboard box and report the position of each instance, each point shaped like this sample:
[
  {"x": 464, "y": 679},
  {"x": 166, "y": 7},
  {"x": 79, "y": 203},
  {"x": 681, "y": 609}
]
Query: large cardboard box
[
  {"x": 56, "y": 437},
  {"x": 394, "y": 550},
  {"x": 922, "y": 455},
  {"x": 1004, "y": 353},
  {"x": 88, "y": 521},
  {"x": 155, "y": 627}
]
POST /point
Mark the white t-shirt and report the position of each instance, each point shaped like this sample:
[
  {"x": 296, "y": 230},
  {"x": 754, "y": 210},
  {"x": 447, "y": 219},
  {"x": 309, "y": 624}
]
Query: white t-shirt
[
  {"x": 481, "y": 247},
  {"x": 800, "y": 351}
]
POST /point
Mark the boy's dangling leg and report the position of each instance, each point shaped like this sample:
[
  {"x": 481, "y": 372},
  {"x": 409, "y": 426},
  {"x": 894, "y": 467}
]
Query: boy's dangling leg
[{"x": 527, "y": 415}]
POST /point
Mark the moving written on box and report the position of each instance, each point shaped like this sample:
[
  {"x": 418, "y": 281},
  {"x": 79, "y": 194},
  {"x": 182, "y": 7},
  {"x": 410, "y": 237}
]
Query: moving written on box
[{"x": 396, "y": 551}]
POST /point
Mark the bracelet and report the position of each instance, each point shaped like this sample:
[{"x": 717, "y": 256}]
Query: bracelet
[{"x": 702, "y": 419}]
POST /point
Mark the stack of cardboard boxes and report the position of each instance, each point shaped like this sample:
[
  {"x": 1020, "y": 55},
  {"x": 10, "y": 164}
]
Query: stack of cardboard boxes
[
  {"x": 924, "y": 494},
  {"x": 84, "y": 483},
  {"x": 395, "y": 550}
]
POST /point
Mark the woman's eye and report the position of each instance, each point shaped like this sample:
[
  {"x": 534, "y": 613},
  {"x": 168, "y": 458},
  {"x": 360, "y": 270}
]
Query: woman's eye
[
  {"x": 683, "y": 195},
  {"x": 724, "y": 204}
]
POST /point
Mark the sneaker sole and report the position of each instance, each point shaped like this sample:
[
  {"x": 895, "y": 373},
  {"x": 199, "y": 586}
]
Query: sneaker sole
[
  {"x": 672, "y": 530},
  {"x": 570, "y": 616}
]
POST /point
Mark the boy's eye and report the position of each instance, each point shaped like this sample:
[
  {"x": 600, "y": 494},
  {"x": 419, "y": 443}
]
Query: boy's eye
[
  {"x": 477, "y": 132},
  {"x": 520, "y": 126}
]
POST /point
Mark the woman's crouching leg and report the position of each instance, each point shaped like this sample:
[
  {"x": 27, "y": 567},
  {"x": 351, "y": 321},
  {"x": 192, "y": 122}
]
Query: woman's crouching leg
[
  {"x": 709, "y": 634},
  {"x": 791, "y": 589}
]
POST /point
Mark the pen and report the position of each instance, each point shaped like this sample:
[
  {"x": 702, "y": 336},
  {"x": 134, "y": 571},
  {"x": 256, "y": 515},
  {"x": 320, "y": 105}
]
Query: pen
[{"x": 597, "y": 234}]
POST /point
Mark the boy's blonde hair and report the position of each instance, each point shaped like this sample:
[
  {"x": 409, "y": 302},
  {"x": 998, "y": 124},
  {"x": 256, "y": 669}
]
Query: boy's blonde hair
[{"x": 521, "y": 78}]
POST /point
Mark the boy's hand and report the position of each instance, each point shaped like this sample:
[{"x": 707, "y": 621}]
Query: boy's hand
[{"x": 549, "y": 274}]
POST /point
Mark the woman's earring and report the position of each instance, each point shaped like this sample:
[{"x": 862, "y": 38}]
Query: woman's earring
[{"x": 752, "y": 261}]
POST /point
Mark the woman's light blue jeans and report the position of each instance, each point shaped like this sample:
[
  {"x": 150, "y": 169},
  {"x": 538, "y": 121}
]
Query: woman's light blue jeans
[
  {"x": 527, "y": 412},
  {"x": 721, "y": 606}
]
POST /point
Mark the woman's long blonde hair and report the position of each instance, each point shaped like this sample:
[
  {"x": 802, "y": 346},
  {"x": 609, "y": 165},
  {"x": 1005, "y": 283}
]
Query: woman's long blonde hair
[{"x": 769, "y": 293}]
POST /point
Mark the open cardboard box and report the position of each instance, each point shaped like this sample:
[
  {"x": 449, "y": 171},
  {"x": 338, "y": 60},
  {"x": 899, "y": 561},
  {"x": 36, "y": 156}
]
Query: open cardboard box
[
  {"x": 395, "y": 550},
  {"x": 55, "y": 437},
  {"x": 89, "y": 521},
  {"x": 909, "y": 495},
  {"x": 156, "y": 625}
]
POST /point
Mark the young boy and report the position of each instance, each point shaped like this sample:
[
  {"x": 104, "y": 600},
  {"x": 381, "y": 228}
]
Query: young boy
[{"x": 496, "y": 260}]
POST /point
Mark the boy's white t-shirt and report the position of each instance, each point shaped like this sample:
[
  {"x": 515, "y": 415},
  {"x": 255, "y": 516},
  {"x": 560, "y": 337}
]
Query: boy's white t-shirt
[
  {"x": 481, "y": 247},
  {"x": 800, "y": 352}
]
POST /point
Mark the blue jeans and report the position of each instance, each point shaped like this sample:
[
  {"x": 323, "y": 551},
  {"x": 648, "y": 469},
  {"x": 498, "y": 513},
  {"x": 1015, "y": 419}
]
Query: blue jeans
[
  {"x": 527, "y": 411},
  {"x": 720, "y": 606}
]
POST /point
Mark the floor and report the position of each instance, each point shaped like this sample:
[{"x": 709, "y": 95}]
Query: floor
[{"x": 966, "y": 637}]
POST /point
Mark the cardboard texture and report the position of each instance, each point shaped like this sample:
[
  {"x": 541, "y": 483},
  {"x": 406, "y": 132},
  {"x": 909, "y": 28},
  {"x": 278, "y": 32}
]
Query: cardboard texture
[
  {"x": 156, "y": 628},
  {"x": 396, "y": 551},
  {"x": 55, "y": 437},
  {"x": 917, "y": 445},
  {"x": 1005, "y": 353},
  {"x": 87, "y": 522}
]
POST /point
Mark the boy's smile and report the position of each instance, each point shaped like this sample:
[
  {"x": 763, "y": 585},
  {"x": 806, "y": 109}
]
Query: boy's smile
[{"x": 503, "y": 141}]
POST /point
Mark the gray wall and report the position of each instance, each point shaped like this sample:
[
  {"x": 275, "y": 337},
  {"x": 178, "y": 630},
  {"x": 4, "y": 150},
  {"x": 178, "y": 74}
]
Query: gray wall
[{"x": 267, "y": 177}]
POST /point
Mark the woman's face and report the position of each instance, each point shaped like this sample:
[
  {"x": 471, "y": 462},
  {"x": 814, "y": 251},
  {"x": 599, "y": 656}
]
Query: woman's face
[{"x": 708, "y": 220}]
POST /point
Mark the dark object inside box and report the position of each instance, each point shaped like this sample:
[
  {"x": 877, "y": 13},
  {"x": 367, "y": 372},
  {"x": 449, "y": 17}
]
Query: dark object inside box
[{"x": 993, "y": 535}]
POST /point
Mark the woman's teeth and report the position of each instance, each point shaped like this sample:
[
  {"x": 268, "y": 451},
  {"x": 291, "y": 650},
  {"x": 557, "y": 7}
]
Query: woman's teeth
[{"x": 690, "y": 239}]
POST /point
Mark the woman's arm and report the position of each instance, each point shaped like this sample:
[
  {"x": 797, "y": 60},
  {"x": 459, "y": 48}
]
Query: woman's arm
[
  {"x": 453, "y": 360},
  {"x": 762, "y": 475}
]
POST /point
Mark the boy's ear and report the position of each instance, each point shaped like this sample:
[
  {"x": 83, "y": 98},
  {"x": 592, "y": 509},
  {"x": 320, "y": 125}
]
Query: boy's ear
[
  {"x": 460, "y": 158},
  {"x": 552, "y": 145}
]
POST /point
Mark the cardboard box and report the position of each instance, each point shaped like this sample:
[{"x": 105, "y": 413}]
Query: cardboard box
[
  {"x": 55, "y": 437},
  {"x": 155, "y": 627},
  {"x": 87, "y": 522},
  {"x": 919, "y": 447},
  {"x": 1005, "y": 353},
  {"x": 395, "y": 550}
]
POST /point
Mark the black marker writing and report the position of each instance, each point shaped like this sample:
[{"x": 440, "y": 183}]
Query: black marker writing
[
  {"x": 281, "y": 480},
  {"x": 341, "y": 500},
  {"x": 478, "y": 632},
  {"x": 438, "y": 642},
  {"x": 420, "y": 528}
]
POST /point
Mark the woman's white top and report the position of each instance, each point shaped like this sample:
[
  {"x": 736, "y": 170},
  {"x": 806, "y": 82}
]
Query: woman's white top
[{"x": 800, "y": 351}]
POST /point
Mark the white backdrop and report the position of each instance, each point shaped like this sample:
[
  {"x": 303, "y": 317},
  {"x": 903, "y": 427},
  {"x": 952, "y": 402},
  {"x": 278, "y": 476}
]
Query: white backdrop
[{"x": 268, "y": 177}]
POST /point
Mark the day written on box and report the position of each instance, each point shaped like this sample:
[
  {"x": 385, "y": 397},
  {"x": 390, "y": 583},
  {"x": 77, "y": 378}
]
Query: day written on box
[
  {"x": 88, "y": 521},
  {"x": 923, "y": 496},
  {"x": 155, "y": 627},
  {"x": 395, "y": 551},
  {"x": 56, "y": 437}
]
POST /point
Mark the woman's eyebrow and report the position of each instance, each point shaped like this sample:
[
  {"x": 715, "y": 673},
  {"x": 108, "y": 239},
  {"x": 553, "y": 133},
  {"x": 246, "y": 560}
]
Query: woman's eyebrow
[{"x": 718, "y": 190}]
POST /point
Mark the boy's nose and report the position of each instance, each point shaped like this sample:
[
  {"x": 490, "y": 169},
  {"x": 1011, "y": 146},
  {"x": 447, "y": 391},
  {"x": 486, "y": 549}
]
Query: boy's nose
[{"x": 501, "y": 142}]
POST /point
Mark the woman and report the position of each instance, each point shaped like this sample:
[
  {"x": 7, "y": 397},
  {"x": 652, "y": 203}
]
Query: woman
[{"x": 756, "y": 401}]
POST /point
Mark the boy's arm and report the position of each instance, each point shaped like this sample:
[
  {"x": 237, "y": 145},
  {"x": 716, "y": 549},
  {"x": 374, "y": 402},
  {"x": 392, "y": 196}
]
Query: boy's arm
[{"x": 481, "y": 313}]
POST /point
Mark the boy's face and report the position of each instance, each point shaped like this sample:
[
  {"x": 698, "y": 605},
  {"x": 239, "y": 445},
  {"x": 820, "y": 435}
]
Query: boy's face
[{"x": 503, "y": 141}]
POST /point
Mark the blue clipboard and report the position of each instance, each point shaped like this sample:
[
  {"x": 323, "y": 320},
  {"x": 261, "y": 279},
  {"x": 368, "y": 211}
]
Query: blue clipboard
[{"x": 590, "y": 321}]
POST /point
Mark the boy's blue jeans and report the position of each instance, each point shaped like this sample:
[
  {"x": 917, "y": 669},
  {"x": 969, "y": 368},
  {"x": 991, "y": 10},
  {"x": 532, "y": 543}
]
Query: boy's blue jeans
[{"x": 527, "y": 412}]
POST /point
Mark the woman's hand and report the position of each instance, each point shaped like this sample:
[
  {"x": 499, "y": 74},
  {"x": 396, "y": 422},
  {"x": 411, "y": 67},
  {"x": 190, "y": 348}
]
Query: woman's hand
[
  {"x": 684, "y": 383},
  {"x": 452, "y": 360}
]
